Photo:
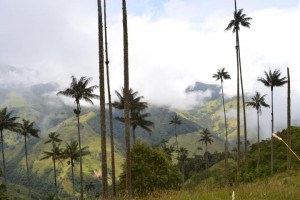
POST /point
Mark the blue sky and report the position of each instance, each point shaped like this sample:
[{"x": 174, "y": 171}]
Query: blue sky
[{"x": 172, "y": 44}]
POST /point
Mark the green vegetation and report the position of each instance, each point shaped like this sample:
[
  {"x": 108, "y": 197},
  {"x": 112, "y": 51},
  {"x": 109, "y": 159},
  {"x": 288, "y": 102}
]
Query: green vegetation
[{"x": 151, "y": 170}]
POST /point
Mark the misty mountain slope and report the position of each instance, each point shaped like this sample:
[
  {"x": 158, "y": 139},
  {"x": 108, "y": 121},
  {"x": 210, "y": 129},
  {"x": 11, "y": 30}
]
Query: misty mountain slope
[{"x": 39, "y": 103}]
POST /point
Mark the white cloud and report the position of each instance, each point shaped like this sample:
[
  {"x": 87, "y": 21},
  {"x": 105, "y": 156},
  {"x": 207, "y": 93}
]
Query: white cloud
[{"x": 182, "y": 42}]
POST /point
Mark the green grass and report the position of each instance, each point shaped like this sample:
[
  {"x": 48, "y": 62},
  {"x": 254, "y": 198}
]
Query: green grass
[{"x": 284, "y": 186}]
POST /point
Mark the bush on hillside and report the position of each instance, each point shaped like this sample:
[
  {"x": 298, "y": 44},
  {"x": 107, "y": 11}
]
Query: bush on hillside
[{"x": 151, "y": 170}]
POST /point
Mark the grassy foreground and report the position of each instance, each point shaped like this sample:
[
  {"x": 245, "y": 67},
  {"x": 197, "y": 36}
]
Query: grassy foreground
[{"x": 284, "y": 186}]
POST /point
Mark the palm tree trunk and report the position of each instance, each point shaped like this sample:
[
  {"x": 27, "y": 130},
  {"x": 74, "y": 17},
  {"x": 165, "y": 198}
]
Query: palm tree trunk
[
  {"x": 80, "y": 156},
  {"x": 73, "y": 182},
  {"x": 258, "y": 147},
  {"x": 238, "y": 97},
  {"x": 206, "y": 156},
  {"x": 272, "y": 140},
  {"x": 289, "y": 139},
  {"x": 102, "y": 104},
  {"x": 238, "y": 108},
  {"x": 226, "y": 135},
  {"x": 133, "y": 135},
  {"x": 244, "y": 109},
  {"x": 4, "y": 165},
  {"x": 55, "y": 183},
  {"x": 27, "y": 169},
  {"x": 177, "y": 148},
  {"x": 113, "y": 176},
  {"x": 126, "y": 102}
]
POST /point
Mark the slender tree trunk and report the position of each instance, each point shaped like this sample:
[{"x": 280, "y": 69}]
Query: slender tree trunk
[
  {"x": 177, "y": 148},
  {"x": 206, "y": 156},
  {"x": 258, "y": 146},
  {"x": 272, "y": 140},
  {"x": 113, "y": 174},
  {"x": 55, "y": 183},
  {"x": 238, "y": 112},
  {"x": 238, "y": 97},
  {"x": 102, "y": 104},
  {"x": 80, "y": 156},
  {"x": 27, "y": 169},
  {"x": 133, "y": 135},
  {"x": 4, "y": 165},
  {"x": 244, "y": 108},
  {"x": 226, "y": 135},
  {"x": 126, "y": 102},
  {"x": 73, "y": 182},
  {"x": 289, "y": 139}
]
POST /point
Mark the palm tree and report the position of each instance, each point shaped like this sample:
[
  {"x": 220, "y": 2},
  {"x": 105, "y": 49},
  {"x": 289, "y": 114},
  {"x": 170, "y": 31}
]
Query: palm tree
[
  {"x": 126, "y": 101},
  {"x": 176, "y": 121},
  {"x": 257, "y": 102},
  {"x": 135, "y": 107},
  {"x": 72, "y": 154},
  {"x": 239, "y": 19},
  {"x": 272, "y": 79},
  {"x": 54, "y": 154},
  {"x": 102, "y": 104},
  {"x": 113, "y": 176},
  {"x": 289, "y": 139},
  {"x": 28, "y": 129},
  {"x": 79, "y": 90},
  {"x": 138, "y": 120},
  {"x": 206, "y": 137},
  {"x": 135, "y": 103},
  {"x": 7, "y": 122},
  {"x": 182, "y": 157},
  {"x": 223, "y": 75}
]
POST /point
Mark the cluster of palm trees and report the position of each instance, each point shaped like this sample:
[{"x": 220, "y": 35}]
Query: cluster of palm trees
[
  {"x": 71, "y": 152},
  {"x": 272, "y": 79},
  {"x": 26, "y": 128}
]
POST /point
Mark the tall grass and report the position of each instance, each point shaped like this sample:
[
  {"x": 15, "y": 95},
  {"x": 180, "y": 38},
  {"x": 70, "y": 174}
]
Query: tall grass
[{"x": 284, "y": 186}]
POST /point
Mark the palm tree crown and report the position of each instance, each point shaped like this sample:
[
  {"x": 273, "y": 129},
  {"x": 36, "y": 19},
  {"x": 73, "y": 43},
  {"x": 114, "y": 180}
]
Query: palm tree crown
[
  {"x": 7, "y": 121},
  {"x": 257, "y": 102},
  {"x": 239, "y": 19},
  {"x": 273, "y": 79},
  {"x": 206, "y": 137},
  {"x": 79, "y": 90},
  {"x": 175, "y": 120},
  {"x": 135, "y": 101},
  {"x": 27, "y": 129},
  {"x": 53, "y": 138},
  {"x": 221, "y": 75}
]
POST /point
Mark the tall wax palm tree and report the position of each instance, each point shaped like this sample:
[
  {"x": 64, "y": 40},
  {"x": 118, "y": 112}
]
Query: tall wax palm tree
[
  {"x": 223, "y": 75},
  {"x": 135, "y": 108},
  {"x": 79, "y": 90},
  {"x": 28, "y": 129},
  {"x": 176, "y": 121},
  {"x": 272, "y": 79},
  {"x": 257, "y": 103},
  {"x": 113, "y": 176},
  {"x": 126, "y": 100},
  {"x": 7, "y": 122},
  {"x": 102, "y": 104},
  {"x": 54, "y": 154},
  {"x": 206, "y": 137},
  {"x": 138, "y": 120},
  {"x": 289, "y": 139},
  {"x": 243, "y": 20},
  {"x": 182, "y": 157},
  {"x": 72, "y": 154}
]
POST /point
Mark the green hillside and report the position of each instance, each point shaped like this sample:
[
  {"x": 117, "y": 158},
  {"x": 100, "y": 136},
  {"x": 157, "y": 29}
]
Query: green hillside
[{"x": 39, "y": 103}]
